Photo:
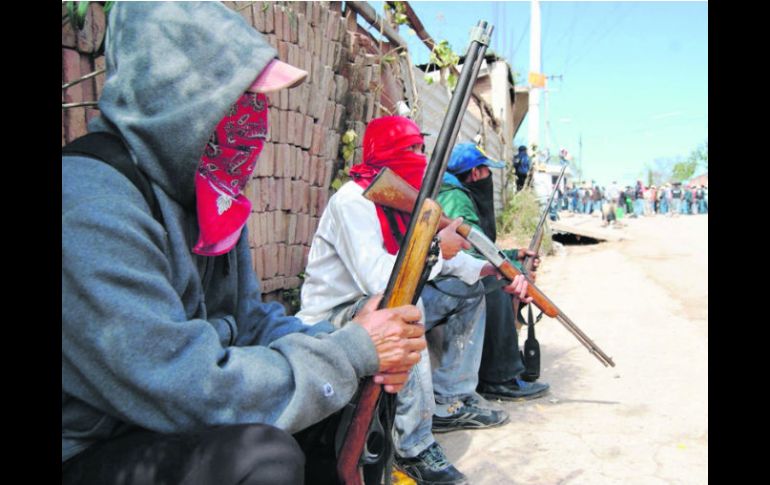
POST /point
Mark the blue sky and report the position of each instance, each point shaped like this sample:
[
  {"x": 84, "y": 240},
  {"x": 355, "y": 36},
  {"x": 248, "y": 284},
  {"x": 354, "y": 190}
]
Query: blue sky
[{"x": 634, "y": 74}]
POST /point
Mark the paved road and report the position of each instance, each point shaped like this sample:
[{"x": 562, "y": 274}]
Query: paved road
[{"x": 644, "y": 301}]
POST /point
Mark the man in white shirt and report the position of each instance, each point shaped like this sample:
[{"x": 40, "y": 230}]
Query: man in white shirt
[{"x": 351, "y": 257}]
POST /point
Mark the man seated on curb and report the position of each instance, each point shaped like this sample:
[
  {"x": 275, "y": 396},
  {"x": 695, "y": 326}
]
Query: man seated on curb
[
  {"x": 173, "y": 368},
  {"x": 351, "y": 257},
  {"x": 467, "y": 193}
]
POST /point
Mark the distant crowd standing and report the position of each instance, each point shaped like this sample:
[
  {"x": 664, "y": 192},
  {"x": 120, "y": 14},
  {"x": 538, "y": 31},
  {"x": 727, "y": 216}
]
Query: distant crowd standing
[{"x": 614, "y": 202}]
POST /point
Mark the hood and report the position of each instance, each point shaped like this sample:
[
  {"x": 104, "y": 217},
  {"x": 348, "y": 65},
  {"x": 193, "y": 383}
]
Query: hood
[{"x": 173, "y": 70}]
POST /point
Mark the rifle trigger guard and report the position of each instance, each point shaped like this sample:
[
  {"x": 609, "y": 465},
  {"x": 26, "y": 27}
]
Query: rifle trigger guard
[{"x": 375, "y": 438}]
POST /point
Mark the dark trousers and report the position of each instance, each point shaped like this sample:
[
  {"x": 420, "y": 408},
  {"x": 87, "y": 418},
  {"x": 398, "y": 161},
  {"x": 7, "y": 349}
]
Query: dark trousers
[
  {"x": 242, "y": 454},
  {"x": 520, "y": 179},
  {"x": 500, "y": 360}
]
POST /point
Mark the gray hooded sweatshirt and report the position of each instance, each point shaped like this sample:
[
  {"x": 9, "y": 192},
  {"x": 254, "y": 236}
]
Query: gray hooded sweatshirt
[{"x": 153, "y": 335}]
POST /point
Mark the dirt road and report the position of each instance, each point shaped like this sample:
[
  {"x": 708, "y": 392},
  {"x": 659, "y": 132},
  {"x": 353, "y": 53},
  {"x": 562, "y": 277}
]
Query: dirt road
[{"x": 644, "y": 301}]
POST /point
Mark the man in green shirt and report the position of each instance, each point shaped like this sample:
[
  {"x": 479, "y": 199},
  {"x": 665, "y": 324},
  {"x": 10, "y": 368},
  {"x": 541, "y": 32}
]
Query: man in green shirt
[{"x": 466, "y": 192}]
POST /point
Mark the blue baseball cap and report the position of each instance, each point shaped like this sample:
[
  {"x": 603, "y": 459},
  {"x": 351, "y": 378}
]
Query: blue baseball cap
[{"x": 466, "y": 156}]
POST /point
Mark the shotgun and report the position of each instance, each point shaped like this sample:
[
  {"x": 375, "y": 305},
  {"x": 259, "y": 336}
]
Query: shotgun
[
  {"x": 537, "y": 240},
  {"x": 390, "y": 190},
  {"x": 403, "y": 285},
  {"x": 530, "y": 356}
]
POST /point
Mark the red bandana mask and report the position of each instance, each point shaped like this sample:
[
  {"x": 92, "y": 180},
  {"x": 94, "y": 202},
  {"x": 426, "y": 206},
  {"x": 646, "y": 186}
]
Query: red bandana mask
[
  {"x": 386, "y": 144},
  {"x": 225, "y": 167}
]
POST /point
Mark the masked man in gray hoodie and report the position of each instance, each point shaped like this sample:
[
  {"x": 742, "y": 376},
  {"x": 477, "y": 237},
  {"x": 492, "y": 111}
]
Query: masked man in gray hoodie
[{"x": 173, "y": 368}]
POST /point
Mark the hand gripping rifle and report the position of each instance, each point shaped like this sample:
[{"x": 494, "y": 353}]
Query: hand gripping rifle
[
  {"x": 390, "y": 190},
  {"x": 531, "y": 354},
  {"x": 404, "y": 286}
]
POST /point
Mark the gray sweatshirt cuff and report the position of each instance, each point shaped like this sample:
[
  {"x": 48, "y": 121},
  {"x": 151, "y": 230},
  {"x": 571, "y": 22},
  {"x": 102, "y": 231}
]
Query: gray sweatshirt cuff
[{"x": 359, "y": 348}]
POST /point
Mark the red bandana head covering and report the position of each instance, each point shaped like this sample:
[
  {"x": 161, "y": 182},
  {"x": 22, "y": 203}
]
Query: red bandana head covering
[
  {"x": 386, "y": 144},
  {"x": 225, "y": 167}
]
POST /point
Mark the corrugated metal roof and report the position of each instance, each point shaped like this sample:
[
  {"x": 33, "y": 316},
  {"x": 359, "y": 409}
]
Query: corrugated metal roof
[{"x": 434, "y": 102}]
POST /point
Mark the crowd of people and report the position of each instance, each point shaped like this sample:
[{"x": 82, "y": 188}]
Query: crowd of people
[
  {"x": 174, "y": 370},
  {"x": 669, "y": 199}
]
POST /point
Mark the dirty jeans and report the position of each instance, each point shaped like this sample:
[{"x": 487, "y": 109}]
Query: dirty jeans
[{"x": 454, "y": 328}]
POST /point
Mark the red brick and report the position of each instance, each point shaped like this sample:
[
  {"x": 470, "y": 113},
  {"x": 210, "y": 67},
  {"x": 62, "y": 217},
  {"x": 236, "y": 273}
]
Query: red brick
[
  {"x": 312, "y": 227},
  {"x": 332, "y": 26},
  {"x": 99, "y": 63},
  {"x": 271, "y": 199},
  {"x": 269, "y": 20},
  {"x": 287, "y": 191},
  {"x": 301, "y": 193},
  {"x": 284, "y": 126},
  {"x": 303, "y": 226},
  {"x": 286, "y": 25},
  {"x": 296, "y": 260},
  {"x": 305, "y": 253},
  {"x": 301, "y": 31},
  {"x": 252, "y": 233},
  {"x": 256, "y": 258},
  {"x": 339, "y": 112},
  {"x": 305, "y": 166},
  {"x": 314, "y": 164},
  {"x": 264, "y": 193},
  {"x": 291, "y": 228},
  {"x": 313, "y": 201},
  {"x": 328, "y": 174},
  {"x": 283, "y": 50},
  {"x": 278, "y": 21},
  {"x": 265, "y": 162},
  {"x": 259, "y": 18},
  {"x": 280, "y": 258},
  {"x": 74, "y": 118},
  {"x": 68, "y": 38},
  {"x": 314, "y": 20},
  {"x": 317, "y": 145},
  {"x": 323, "y": 199},
  {"x": 307, "y": 132},
  {"x": 270, "y": 260},
  {"x": 246, "y": 12},
  {"x": 279, "y": 229},
  {"x": 90, "y": 36},
  {"x": 299, "y": 163}
]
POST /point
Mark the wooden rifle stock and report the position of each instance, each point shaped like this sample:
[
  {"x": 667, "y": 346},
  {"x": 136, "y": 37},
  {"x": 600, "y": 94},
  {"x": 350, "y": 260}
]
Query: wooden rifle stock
[
  {"x": 403, "y": 293},
  {"x": 390, "y": 190}
]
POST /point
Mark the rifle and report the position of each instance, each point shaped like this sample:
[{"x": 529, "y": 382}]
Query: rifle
[
  {"x": 410, "y": 268},
  {"x": 390, "y": 190},
  {"x": 531, "y": 354}
]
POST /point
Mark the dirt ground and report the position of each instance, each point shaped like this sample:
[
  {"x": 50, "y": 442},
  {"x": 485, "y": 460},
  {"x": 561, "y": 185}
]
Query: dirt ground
[{"x": 644, "y": 301}]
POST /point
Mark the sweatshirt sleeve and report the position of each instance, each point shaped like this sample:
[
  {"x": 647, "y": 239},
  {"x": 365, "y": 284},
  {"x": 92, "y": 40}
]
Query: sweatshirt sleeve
[{"x": 129, "y": 350}]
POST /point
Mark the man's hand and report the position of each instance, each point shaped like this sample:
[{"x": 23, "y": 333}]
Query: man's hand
[
  {"x": 398, "y": 339},
  {"x": 523, "y": 253},
  {"x": 518, "y": 288},
  {"x": 450, "y": 242}
]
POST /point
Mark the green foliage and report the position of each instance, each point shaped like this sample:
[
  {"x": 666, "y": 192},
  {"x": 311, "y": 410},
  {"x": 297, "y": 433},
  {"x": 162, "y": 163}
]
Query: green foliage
[
  {"x": 520, "y": 217},
  {"x": 700, "y": 155},
  {"x": 428, "y": 79},
  {"x": 443, "y": 56},
  {"x": 265, "y": 6},
  {"x": 77, "y": 13},
  {"x": 683, "y": 170},
  {"x": 397, "y": 12},
  {"x": 348, "y": 148},
  {"x": 451, "y": 81}
]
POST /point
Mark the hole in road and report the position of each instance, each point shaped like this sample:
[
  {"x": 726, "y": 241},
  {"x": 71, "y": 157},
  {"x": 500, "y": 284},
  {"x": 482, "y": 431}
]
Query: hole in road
[{"x": 573, "y": 239}]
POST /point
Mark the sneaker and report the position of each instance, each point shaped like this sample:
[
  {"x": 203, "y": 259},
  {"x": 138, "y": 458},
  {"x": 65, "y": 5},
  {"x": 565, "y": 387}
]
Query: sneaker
[
  {"x": 513, "y": 390},
  {"x": 469, "y": 415},
  {"x": 431, "y": 467}
]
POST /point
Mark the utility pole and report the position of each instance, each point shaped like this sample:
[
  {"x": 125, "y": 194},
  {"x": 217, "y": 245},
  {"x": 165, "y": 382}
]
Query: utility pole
[
  {"x": 580, "y": 159},
  {"x": 534, "y": 68},
  {"x": 548, "y": 134}
]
